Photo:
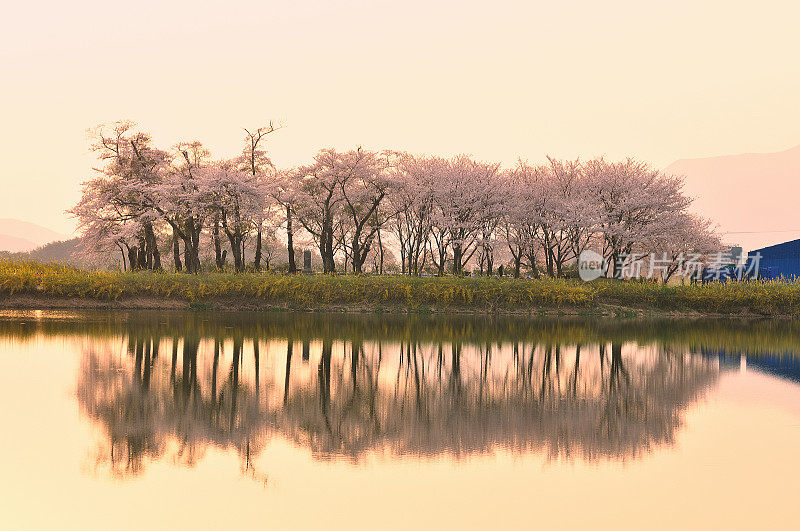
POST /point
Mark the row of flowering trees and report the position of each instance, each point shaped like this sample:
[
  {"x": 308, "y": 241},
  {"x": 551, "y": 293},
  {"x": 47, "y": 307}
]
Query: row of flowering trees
[{"x": 374, "y": 210}]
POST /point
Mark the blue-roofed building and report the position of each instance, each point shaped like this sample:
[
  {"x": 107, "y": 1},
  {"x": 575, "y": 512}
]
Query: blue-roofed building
[
  {"x": 779, "y": 261},
  {"x": 782, "y": 364}
]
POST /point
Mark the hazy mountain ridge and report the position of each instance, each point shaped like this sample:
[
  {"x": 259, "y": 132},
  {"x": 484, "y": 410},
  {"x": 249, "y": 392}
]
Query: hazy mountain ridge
[
  {"x": 753, "y": 196},
  {"x": 15, "y": 244},
  {"x": 67, "y": 252},
  {"x": 22, "y": 236}
]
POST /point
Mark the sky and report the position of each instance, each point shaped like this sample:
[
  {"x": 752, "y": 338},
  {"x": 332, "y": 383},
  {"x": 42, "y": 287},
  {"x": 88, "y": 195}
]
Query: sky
[{"x": 500, "y": 80}]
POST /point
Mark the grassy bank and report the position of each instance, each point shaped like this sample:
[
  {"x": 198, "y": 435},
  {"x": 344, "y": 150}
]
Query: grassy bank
[{"x": 45, "y": 282}]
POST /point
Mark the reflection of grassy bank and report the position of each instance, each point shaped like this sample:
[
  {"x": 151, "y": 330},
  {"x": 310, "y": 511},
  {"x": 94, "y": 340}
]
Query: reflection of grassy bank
[
  {"x": 744, "y": 336},
  {"x": 229, "y": 291}
]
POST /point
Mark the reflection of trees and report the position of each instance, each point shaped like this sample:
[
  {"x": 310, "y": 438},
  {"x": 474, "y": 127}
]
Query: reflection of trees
[
  {"x": 350, "y": 397},
  {"x": 146, "y": 404},
  {"x": 470, "y": 402}
]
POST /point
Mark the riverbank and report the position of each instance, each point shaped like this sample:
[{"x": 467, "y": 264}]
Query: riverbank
[{"x": 27, "y": 285}]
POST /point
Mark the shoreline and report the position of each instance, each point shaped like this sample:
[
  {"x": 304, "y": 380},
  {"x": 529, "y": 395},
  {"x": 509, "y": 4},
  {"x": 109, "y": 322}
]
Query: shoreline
[
  {"x": 32, "y": 302},
  {"x": 30, "y": 285}
]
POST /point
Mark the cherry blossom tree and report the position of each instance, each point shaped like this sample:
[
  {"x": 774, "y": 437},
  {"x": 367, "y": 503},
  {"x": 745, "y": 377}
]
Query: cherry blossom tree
[
  {"x": 632, "y": 198},
  {"x": 363, "y": 206},
  {"x": 237, "y": 198},
  {"x": 178, "y": 200},
  {"x": 411, "y": 202},
  {"x": 284, "y": 192},
  {"x": 254, "y": 160},
  {"x": 524, "y": 189},
  {"x": 364, "y": 186},
  {"x": 512, "y": 217},
  {"x": 336, "y": 197},
  {"x": 676, "y": 240},
  {"x": 118, "y": 199},
  {"x": 318, "y": 202},
  {"x": 566, "y": 217},
  {"x": 464, "y": 198}
]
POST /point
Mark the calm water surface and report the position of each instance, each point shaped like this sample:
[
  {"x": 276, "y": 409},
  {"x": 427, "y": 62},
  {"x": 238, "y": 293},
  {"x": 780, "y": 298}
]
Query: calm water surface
[{"x": 209, "y": 421}]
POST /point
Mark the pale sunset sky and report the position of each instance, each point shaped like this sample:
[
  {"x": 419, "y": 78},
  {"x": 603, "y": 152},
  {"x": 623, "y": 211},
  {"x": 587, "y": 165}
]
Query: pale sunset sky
[{"x": 659, "y": 81}]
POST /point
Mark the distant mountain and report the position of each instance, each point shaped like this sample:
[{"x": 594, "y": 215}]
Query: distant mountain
[
  {"x": 21, "y": 236},
  {"x": 753, "y": 196},
  {"x": 14, "y": 244},
  {"x": 63, "y": 251},
  {"x": 67, "y": 252}
]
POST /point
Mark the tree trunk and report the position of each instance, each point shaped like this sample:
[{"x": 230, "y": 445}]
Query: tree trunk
[
  {"x": 457, "y": 254},
  {"x": 532, "y": 263},
  {"x": 153, "y": 254},
  {"x": 141, "y": 260},
  {"x": 615, "y": 259},
  {"x": 256, "y": 361},
  {"x": 359, "y": 253},
  {"x": 326, "y": 248},
  {"x": 324, "y": 371},
  {"x": 380, "y": 253},
  {"x": 549, "y": 262},
  {"x": 237, "y": 356},
  {"x": 290, "y": 240},
  {"x": 236, "y": 249},
  {"x": 196, "y": 246},
  {"x": 356, "y": 258},
  {"x": 289, "y": 352},
  {"x": 214, "y": 367},
  {"x": 220, "y": 260},
  {"x": 189, "y": 261},
  {"x": 187, "y": 253},
  {"x": 133, "y": 258},
  {"x": 257, "y": 258},
  {"x": 176, "y": 252}
]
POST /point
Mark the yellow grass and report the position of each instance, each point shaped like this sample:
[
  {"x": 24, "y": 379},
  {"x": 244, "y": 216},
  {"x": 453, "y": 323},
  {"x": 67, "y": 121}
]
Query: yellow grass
[{"x": 489, "y": 294}]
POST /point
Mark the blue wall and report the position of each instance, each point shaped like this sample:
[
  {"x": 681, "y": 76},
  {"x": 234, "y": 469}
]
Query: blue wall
[
  {"x": 782, "y": 260},
  {"x": 785, "y": 365}
]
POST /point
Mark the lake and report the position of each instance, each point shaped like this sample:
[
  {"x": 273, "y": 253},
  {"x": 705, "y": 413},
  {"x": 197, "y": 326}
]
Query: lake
[{"x": 278, "y": 420}]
